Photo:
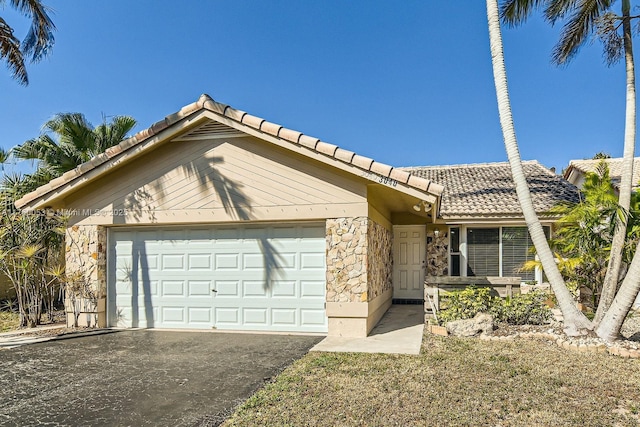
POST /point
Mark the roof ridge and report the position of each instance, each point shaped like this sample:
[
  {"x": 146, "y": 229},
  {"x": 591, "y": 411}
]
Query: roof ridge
[{"x": 461, "y": 165}]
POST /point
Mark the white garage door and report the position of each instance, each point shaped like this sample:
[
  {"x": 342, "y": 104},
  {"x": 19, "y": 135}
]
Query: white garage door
[{"x": 243, "y": 278}]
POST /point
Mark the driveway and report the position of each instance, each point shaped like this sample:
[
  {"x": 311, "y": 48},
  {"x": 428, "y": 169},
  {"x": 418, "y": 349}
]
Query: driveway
[{"x": 135, "y": 378}]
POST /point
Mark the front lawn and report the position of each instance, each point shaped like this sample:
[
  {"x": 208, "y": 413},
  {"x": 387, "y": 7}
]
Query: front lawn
[{"x": 453, "y": 382}]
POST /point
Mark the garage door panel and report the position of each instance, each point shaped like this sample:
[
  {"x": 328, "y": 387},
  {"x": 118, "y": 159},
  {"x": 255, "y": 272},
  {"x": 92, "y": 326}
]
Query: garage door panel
[
  {"x": 199, "y": 262},
  {"x": 173, "y": 288},
  {"x": 174, "y": 314},
  {"x": 199, "y": 288},
  {"x": 227, "y": 262},
  {"x": 227, "y": 289},
  {"x": 255, "y": 316},
  {"x": 284, "y": 316},
  {"x": 312, "y": 289},
  {"x": 254, "y": 289},
  {"x": 215, "y": 277},
  {"x": 200, "y": 315},
  {"x": 253, "y": 261},
  {"x": 312, "y": 261},
  {"x": 227, "y": 316},
  {"x": 173, "y": 262},
  {"x": 283, "y": 289}
]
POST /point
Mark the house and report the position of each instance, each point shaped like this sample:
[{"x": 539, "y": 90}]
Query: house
[
  {"x": 214, "y": 218},
  {"x": 578, "y": 169},
  {"x": 480, "y": 230}
]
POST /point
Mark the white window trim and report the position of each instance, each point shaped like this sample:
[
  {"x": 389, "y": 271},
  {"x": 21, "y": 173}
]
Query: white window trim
[{"x": 463, "y": 246}]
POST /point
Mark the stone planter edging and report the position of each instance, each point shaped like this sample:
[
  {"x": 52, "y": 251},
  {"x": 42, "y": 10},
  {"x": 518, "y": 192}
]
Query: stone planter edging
[{"x": 568, "y": 344}]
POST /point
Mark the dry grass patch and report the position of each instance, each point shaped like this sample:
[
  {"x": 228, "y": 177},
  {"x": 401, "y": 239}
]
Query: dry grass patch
[
  {"x": 9, "y": 321},
  {"x": 453, "y": 382}
]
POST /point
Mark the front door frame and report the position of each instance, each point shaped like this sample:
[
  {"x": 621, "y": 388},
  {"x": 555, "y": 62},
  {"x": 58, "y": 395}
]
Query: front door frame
[{"x": 408, "y": 275}]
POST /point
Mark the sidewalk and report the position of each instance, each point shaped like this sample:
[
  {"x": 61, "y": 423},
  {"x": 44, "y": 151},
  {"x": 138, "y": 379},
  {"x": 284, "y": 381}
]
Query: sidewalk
[{"x": 398, "y": 332}]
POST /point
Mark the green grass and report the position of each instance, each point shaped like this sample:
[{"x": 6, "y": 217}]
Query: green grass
[
  {"x": 453, "y": 382},
  {"x": 9, "y": 321}
]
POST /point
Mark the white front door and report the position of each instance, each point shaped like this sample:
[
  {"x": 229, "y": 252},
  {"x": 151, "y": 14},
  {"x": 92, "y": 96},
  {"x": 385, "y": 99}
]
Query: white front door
[{"x": 409, "y": 261}]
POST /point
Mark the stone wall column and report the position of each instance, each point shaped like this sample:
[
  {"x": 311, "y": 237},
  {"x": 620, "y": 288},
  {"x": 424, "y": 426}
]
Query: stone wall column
[
  {"x": 347, "y": 259},
  {"x": 86, "y": 270},
  {"x": 438, "y": 252},
  {"x": 359, "y": 274}
]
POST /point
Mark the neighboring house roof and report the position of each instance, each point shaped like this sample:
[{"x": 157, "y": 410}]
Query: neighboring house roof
[
  {"x": 579, "y": 168},
  {"x": 240, "y": 120},
  {"x": 487, "y": 189}
]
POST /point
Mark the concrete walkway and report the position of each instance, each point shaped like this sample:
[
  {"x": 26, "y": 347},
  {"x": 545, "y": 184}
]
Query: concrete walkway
[{"x": 398, "y": 332}]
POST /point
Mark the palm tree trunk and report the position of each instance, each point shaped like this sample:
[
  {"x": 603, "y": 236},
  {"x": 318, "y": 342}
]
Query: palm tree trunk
[
  {"x": 575, "y": 321},
  {"x": 610, "y": 285},
  {"x": 609, "y": 327}
]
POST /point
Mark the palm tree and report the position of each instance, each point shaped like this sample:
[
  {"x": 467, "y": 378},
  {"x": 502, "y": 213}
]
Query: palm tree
[
  {"x": 36, "y": 44},
  {"x": 69, "y": 140},
  {"x": 587, "y": 18},
  {"x": 575, "y": 321}
]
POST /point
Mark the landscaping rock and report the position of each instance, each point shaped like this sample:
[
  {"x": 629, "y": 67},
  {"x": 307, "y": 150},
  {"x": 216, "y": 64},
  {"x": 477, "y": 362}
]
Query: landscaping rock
[{"x": 482, "y": 323}]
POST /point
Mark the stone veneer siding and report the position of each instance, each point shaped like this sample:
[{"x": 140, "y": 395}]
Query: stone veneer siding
[
  {"x": 359, "y": 259},
  {"x": 437, "y": 253},
  {"x": 380, "y": 259},
  {"x": 86, "y": 251}
]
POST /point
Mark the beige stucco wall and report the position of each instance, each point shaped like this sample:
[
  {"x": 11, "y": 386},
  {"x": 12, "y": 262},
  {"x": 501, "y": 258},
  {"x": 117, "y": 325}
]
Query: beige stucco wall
[{"x": 218, "y": 180}]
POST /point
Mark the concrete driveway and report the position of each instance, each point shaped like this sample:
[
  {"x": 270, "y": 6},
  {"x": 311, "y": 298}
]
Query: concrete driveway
[{"x": 135, "y": 378}]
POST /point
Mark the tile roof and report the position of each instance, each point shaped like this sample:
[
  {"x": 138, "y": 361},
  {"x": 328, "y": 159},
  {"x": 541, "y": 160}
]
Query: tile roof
[
  {"x": 205, "y": 102},
  {"x": 615, "y": 168},
  {"x": 487, "y": 189}
]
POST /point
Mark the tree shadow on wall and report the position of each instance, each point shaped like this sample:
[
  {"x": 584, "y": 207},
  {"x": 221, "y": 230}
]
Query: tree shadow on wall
[{"x": 214, "y": 182}]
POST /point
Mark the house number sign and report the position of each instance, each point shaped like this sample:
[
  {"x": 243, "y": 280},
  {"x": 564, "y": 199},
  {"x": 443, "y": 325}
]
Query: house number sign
[{"x": 380, "y": 179}]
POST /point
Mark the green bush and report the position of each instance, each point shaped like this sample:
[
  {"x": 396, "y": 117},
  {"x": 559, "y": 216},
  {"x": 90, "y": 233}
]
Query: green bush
[
  {"x": 466, "y": 304},
  {"x": 521, "y": 309}
]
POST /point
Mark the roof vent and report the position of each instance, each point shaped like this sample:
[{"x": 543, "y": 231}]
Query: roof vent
[{"x": 210, "y": 130}]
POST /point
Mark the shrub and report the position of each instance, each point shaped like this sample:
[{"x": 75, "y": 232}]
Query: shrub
[
  {"x": 520, "y": 309},
  {"x": 466, "y": 304},
  {"x": 523, "y": 309}
]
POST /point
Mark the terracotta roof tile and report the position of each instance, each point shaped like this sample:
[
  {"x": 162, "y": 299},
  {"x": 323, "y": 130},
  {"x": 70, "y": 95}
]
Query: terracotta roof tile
[
  {"x": 400, "y": 175},
  {"x": 308, "y": 141},
  {"x": 252, "y": 121},
  {"x": 362, "y": 162},
  {"x": 290, "y": 135},
  {"x": 344, "y": 155},
  {"x": 615, "y": 168},
  {"x": 270, "y": 128},
  {"x": 487, "y": 189},
  {"x": 326, "y": 148},
  {"x": 234, "y": 114},
  {"x": 205, "y": 102},
  {"x": 214, "y": 106}
]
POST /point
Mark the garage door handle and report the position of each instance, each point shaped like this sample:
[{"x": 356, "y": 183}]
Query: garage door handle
[{"x": 213, "y": 290}]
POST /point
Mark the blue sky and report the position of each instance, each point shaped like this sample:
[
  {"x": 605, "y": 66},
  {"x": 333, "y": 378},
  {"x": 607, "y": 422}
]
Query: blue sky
[{"x": 407, "y": 83}]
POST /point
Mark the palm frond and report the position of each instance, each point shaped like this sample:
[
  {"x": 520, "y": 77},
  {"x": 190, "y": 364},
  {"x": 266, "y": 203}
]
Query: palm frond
[
  {"x": 39, "y": 40},
  {"x": 577, "y": 30},
  {"x": 10, "y": 51},
  {"x": 515, "y": 12}
]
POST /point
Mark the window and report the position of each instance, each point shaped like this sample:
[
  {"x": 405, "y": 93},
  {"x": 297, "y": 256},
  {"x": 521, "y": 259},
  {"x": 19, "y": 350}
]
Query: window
[
  {"x": 483, "y": 252},
  {"x": 454, "y": 250},
  {"x": 500, "y": 251}
]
